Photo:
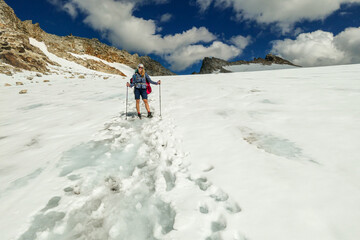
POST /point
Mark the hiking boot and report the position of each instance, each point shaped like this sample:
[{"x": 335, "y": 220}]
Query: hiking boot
[
  {"x": 139, "y": 115},
  {"x": 150, "y": 115}
]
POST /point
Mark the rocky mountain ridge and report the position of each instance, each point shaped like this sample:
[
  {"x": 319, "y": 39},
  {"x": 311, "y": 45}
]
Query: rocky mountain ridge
[
  {"x": 210, "y": 65},
  {"x": 16, "y": 52}
]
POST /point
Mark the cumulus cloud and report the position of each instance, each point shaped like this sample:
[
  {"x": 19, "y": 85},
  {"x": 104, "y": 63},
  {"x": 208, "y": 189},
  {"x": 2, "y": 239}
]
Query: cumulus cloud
[
  {"x": 184, "y": 57},
  {"x": 348, "y": 42},
  {"x": 116, "y": 22},
  {"x": 282, "y": 12},
  {"x": 321, "y": 48}
]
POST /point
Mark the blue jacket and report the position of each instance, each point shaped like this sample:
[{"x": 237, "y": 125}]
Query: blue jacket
[{"x": 140, "y": 82}]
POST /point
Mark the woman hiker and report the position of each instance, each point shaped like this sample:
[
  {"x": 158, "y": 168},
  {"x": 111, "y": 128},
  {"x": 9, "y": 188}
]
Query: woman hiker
[{"x": 139, "y": 80}]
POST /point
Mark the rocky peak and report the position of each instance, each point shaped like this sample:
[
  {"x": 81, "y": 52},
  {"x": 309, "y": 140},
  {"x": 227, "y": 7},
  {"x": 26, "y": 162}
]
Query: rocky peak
[
  {"x": 277, "y": 60},
  {"x": 210, "y": 65}
]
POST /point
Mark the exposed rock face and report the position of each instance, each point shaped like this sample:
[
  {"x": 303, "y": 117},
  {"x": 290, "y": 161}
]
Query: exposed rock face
[
  {"x": 16, "y": 50},
  {"x": 211, "y": 65},
  {"x": 278, "y": 60},
  {"x": 8, "y": 18}
]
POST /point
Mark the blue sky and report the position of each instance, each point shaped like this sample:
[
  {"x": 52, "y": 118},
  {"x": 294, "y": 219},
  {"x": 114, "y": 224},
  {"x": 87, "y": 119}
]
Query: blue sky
[{"x": 180, "y": 33}]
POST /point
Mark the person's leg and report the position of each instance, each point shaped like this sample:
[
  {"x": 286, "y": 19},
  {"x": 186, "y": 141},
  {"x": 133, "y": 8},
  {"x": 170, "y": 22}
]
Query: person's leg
[
  {"x": 144, "y": 98},
  {"x": 137, "y": 98},
  {"x": 146, "y": 105},
  {"x": 138, "y": 105}
]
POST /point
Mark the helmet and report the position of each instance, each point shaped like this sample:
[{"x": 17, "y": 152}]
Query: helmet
[{"x": 140, "y": 65}]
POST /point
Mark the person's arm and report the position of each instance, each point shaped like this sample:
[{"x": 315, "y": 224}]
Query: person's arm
[{"x": 150, "y": 81}]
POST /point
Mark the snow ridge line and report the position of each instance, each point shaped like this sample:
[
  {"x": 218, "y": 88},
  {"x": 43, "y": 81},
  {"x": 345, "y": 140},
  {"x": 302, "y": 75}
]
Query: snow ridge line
[{"x": 119, "y": 187}]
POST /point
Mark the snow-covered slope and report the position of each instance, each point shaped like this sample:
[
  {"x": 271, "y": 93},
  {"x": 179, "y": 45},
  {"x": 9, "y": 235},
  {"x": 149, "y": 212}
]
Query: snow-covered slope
[
  {"x": 256, "y": 155},
  {"x": 257, "y": 67},
  {"x": 283, "y": 144},
  {"x": 73, "y": 68}
]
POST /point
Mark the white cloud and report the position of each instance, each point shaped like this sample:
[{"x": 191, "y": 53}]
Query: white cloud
[
  {"x": 166, "y": 17},
  {"x": 240, "y": 41},
  {"x": 71, "y": 10},
  {"x": 282, "y": 12},
  {"x": 348, "y": 42},
  {"x": 64, "y": 6},
  {"x": 204, "y": 4},
  {"x": 186, "y": 56},
  {"x": 116, "y": 22},
  {"x": 321, "y": 48}
]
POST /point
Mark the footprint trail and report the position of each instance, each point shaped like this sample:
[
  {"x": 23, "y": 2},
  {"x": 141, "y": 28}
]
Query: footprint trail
[{"x": 131, "y": 181}]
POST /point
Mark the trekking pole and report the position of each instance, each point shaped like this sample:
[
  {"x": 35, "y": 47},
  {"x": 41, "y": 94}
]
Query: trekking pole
[
  {"x": 160, "y": 97},
  {"x": 127, "y": 88}
]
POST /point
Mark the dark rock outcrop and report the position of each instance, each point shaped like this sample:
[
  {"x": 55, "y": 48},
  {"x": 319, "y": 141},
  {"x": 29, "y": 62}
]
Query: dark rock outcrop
[{"x": 210, "y": 65}]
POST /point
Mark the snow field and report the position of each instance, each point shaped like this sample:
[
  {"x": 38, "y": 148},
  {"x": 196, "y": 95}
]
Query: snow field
[
  {"x": 284, "y": 143},
  {"x": 261, "y": 155},
  {"x": 35, "y": 129},
  {"x": 115, "y": 186}
]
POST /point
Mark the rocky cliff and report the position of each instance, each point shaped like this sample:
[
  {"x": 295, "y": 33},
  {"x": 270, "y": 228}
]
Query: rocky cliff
[
  {"x": 210, "y": 65},
  {"x": 16, "y": 53},
  {"x": 15, "y": 50}
]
